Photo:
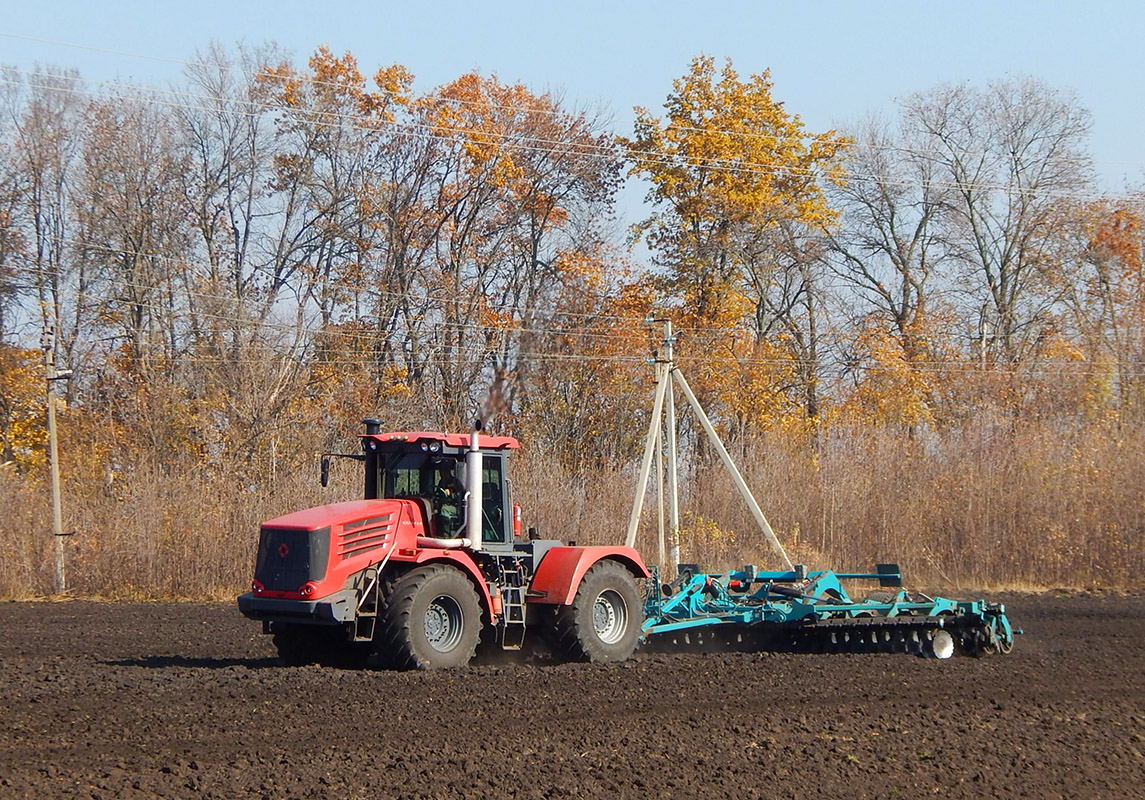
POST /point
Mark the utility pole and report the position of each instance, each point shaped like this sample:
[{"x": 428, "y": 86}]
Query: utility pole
[
  {"x": 666, "y": 374},
  {"x": 51, "y": 376},
  {"x": 663, "y": 422},
  {"x": 670, "y": 424}
]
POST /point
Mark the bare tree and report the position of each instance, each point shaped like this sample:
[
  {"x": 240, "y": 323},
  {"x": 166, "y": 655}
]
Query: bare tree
[
  {"x": 890, "y": 244},
  {"x": 1009, "y": 153},
  {"x": 225, "y": 131},
  {"x": 130, "y": 223},
  {"x": 13, "y": 188},
  {"x": 46, "y": 122},
  {"x": 782, "y": 277}
]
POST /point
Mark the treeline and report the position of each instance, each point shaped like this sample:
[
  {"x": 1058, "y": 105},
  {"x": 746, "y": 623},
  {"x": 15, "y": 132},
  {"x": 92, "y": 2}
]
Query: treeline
[{"x": 923, "y": 336}]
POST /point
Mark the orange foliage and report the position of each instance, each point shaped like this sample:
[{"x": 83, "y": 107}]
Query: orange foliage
[
  {"x": 336, "y": 87},
  {"x": 890, "y": 389},
  {"x": 1116, "y": 234},
  {"x": 23, "y": 435}
]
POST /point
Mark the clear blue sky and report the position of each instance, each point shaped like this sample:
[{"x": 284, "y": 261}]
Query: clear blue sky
[{"x": 830, "y": 61}]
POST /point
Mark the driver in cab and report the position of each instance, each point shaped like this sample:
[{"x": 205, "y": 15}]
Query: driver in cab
[{"x": 448, "y": 496}]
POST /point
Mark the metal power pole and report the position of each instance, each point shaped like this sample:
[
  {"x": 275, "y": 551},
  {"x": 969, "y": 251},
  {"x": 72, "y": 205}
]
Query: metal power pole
[{"x": 51, "y": 376}]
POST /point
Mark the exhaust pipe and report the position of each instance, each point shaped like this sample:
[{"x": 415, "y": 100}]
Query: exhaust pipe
[
  {"x": 473, "y": 468},
  {"x": 443, "y": 544}
]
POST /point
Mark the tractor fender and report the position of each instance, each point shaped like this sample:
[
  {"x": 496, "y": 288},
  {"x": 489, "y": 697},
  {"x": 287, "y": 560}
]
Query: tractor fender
[
  {"x": 461, "y": 560},
  {"x": 559, "y": 574}
]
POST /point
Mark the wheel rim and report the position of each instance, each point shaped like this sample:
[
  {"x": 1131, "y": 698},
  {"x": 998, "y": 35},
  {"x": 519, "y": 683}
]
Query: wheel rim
[
  {"x": 609, "y": 617},
  {"x": 444, "y": 623}
]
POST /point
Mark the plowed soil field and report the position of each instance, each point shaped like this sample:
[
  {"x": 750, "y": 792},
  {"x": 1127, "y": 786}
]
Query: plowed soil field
[{"x": 183, "y": 700}]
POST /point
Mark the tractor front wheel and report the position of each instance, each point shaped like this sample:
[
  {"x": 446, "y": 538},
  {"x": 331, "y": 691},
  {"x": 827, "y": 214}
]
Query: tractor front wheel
[
  {"x": 603, "y": 623},
  {"x": 298, "y": 645},
  {"x": 432, "y": 620},
  {"x": 302, "y": 645}
]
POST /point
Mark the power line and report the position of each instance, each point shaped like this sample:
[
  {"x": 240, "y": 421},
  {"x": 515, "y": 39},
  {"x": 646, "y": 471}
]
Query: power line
[
  {"x": 433, "y": 318},
  {"x": 345, "y": 356},
  {"x": 539, "y": 145}
]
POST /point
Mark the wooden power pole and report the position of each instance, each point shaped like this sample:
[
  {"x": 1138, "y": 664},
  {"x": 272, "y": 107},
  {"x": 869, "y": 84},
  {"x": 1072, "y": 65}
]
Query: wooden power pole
[{"x": 51, "y": 376}]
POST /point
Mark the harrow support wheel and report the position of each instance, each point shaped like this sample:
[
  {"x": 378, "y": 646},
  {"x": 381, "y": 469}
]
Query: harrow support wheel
[
  {"x": 603, "y": 623},
  {"x": 940, "y": 644},
  {"x": 432, "y": 620}
]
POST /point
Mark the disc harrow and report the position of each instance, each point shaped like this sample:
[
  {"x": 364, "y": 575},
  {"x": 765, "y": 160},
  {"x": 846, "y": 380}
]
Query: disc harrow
[{"x": 811, "y": 611}]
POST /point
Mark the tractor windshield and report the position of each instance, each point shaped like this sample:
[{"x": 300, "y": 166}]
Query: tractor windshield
[{"x": 405, "y": 475}]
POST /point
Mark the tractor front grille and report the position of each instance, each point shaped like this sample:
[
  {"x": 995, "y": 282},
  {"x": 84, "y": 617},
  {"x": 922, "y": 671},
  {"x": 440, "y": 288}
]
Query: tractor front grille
[{"x": 289, "y": 558}]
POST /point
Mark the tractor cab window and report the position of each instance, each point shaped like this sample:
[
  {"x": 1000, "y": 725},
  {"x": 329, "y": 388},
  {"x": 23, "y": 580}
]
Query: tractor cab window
[
  {"x": 440, "y": 479},
  {"x": 493, "y": 528},
  {"x": 405, "y": 476},
  {"x": 433, "y": 478}
]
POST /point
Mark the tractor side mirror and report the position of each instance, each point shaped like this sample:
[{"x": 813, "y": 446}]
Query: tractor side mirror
[{"x": 325, "y": 472}]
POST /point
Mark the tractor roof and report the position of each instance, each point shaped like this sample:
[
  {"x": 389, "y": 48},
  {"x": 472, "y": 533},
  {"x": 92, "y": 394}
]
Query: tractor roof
[{"x": 460, "y": 440}]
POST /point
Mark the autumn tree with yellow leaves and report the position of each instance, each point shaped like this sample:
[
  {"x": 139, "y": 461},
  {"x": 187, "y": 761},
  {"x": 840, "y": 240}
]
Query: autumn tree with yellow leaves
[
  {"x": 22, "y": 429},
  {"x": 456, "y": 208},
  {"x": 737, "y": 188}
]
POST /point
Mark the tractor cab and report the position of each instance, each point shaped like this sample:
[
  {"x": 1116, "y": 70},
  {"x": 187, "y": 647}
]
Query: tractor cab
[{"x": 436, "y": 468}]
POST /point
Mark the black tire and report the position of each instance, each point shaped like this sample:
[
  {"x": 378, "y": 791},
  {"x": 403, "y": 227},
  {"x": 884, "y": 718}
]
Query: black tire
[
  {"x": 603, "y": 623},
  {"x": 302, "y": 645},
  {"x": 297, "y": 647},
  {"x": 431, "y": 620}
]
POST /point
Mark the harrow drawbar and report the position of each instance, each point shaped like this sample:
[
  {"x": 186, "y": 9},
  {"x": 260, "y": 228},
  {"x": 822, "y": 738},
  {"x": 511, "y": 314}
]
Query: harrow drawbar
[{"x": 811, "y": 611}]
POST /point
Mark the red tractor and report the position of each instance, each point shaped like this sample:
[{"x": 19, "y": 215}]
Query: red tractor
[{"x": 410, "y": 575}]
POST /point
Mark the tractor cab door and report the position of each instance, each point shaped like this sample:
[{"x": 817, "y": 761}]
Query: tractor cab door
[{"x": 497, "y": 523}]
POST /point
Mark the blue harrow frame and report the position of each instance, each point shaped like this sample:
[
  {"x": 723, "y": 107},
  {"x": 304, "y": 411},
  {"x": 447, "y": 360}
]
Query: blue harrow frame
[{"x": 806, "y": 610}]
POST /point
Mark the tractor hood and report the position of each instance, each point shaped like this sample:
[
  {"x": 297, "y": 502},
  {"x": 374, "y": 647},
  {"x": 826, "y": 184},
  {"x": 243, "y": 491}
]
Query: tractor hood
[
  {"x": 332, "y": 515},
  {"x": 311, "y": 553}
]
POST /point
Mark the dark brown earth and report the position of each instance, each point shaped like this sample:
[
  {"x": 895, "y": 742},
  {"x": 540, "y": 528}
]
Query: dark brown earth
[{"x": 181, "y": 700}]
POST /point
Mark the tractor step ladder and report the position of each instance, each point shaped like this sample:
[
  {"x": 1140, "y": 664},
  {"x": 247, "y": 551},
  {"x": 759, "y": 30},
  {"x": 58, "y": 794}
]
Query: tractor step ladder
[
  {"x": 365, "y": 621},
  {"x": 512, "y": 628}
]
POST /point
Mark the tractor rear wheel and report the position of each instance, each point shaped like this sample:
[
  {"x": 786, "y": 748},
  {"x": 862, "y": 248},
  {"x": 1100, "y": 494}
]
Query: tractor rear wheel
[
  {"x": 603, "y": 623},
  {"x": 432, "y": 620}
]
